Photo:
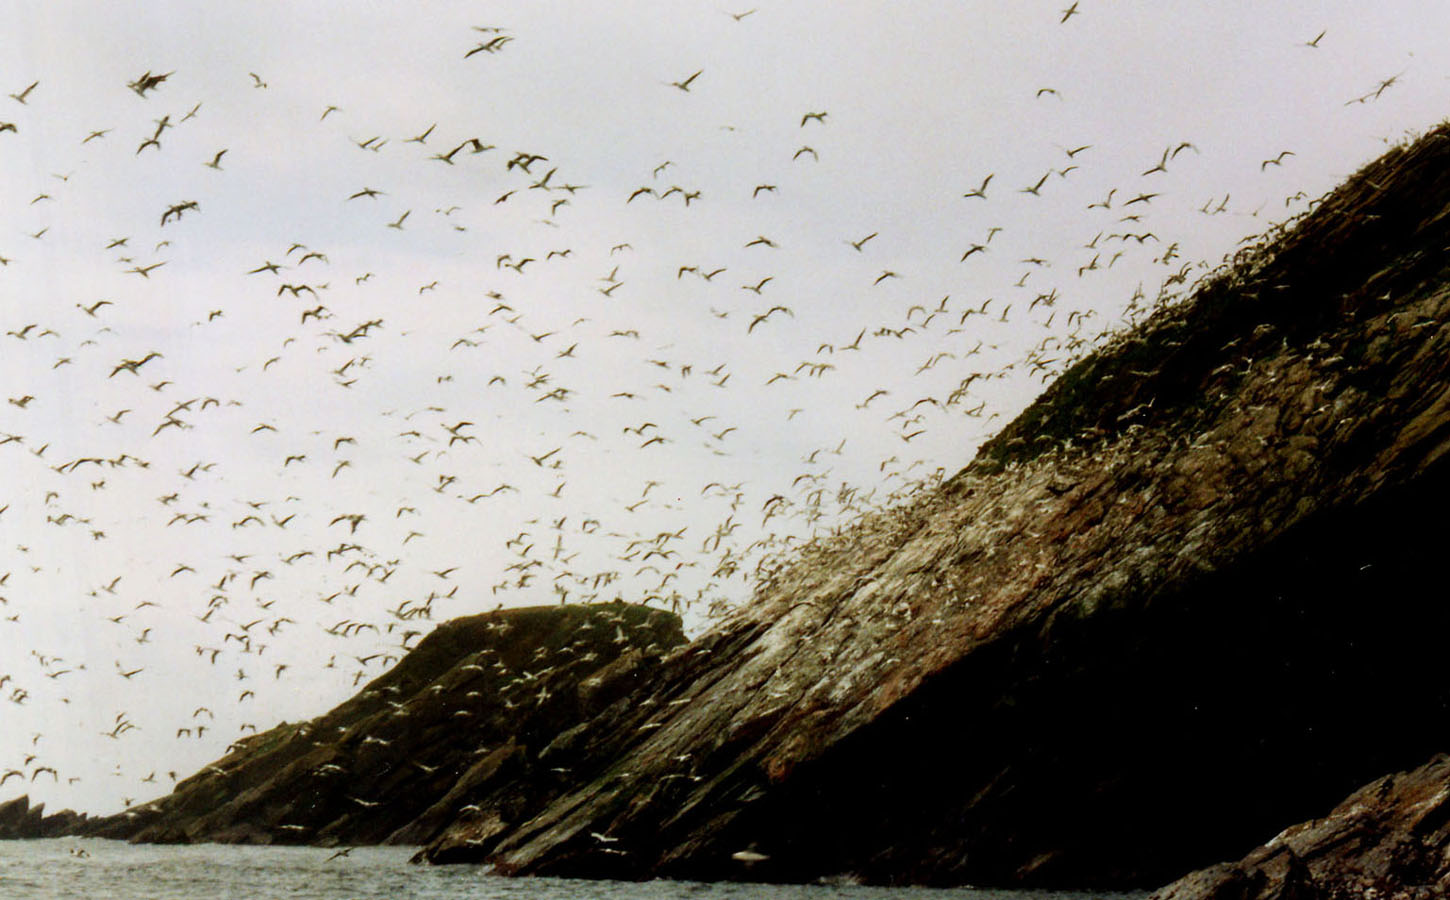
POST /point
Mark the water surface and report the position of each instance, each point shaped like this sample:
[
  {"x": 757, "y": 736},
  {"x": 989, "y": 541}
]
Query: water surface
[{"x": 56, "y": 870}]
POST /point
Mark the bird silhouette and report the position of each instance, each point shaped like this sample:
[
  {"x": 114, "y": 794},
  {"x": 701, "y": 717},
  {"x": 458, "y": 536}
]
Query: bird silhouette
[
  {"x": 20, "y": 96},
  {"x": 684, "y": 84},
  {"x": 148, "y": 82},
  {"x": 1034, "y": 189},
  {"x": 981, "y": 191},
  {"x": 1275, "y": 161}
]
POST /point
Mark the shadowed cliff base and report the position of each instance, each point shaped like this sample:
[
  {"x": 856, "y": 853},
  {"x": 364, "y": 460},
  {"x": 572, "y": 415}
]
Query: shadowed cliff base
[{"x": 1144, "y": 629}]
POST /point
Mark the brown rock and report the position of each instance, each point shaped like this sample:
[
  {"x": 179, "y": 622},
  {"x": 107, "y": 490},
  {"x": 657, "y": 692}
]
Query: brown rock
[
  {"x": 1390, "y": 838},
  {"x": 1143, "y": 628},
  {"x": 67, "y": 821},
  {"x": 13, "y": 816}
]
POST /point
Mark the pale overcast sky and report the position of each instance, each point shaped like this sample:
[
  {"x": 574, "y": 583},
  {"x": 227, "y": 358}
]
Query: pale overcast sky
[{"x": 735, "y": 261}]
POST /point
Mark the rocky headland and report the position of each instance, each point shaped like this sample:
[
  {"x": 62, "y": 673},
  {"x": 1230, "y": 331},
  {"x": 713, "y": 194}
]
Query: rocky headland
[
  {"x": 1185, "y": 601},
  {"x": 1182, "y": 602},
  {"x": 478, "y": 698}
]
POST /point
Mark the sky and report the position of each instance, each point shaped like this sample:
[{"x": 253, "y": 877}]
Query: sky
[{"x": 368, "y": 316}]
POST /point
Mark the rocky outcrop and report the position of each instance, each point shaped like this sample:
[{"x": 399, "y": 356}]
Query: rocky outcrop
[
  {"x": 1185, "y": 600},
  {"x": 397, "y": 762},
  {"x": 1143, "y": 629},
  {"x": 19, "y": 820},
  {"x": 1390, "y": 838}
]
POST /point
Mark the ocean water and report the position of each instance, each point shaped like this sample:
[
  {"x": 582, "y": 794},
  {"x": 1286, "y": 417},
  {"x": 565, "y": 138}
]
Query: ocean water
[{"x": 112, "y": 870}]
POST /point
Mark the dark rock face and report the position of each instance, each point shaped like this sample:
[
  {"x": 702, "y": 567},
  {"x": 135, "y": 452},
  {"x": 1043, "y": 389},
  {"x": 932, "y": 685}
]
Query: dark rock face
[
  {"x": 478, "y": 696},
  {"x": 18, "y": 820},
  {"x": 1141, "y": 631},
  {"x": 1391, "y": 838}
]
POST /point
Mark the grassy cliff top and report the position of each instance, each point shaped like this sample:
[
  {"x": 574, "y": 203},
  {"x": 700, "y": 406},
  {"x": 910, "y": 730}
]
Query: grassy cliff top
[{"x": 1381, "y": 231}]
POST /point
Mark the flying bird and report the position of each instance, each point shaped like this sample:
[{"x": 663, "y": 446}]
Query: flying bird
[
  {"x": 20, "y": 97},
  {"x": 145, "y": 271},
  {"x": 177, "y": 209},
  {"x": 492, "y": 45},
  {"x": 685, "y": 84},
  {"x": 1033, "y": 189},
  {"x": 148, "y": 82},
  {"x": 982, "y": 191},
  {"x": 1276, "y": 161},
  {"x": 1162, "y": 163},
  {"x": 766, "y": 315}
]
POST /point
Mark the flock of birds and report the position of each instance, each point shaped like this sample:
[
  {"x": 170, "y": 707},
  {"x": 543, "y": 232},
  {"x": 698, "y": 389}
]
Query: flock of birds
[{"x": 245, "y": 473}]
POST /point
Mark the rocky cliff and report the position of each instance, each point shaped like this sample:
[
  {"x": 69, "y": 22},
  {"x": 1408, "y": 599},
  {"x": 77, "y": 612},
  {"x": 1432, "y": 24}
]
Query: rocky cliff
[
  {"x": 19, "y": 820},
  {"x": 1391, "y": 838},
  {"x": 478, "y": 696},
  {"x": 1182, "y": 602}
]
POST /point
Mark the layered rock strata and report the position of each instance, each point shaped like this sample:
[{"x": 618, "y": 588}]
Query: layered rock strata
[
  {"x": 402, "y": 758},
  {"x": 1143, "y": 629}
]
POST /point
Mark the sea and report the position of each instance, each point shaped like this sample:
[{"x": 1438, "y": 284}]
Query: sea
[{"x": 91, "y": 869}]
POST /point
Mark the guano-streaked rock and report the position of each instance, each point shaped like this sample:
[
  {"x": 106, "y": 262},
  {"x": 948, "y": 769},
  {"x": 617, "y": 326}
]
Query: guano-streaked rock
[{"x": 1143, "y": 629}]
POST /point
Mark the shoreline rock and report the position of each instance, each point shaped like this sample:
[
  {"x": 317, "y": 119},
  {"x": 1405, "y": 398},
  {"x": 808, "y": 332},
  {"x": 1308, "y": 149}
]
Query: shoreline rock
[
  {"x": 397, "y": 761},
  {"x": 1391, "y": 838},
  {"x": 19, "y": 820}
]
